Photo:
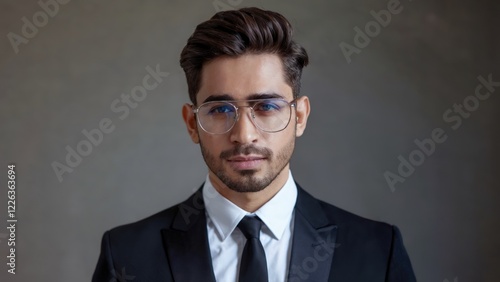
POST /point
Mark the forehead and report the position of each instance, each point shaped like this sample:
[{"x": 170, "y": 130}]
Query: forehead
[{"x": 244, "y": 77}]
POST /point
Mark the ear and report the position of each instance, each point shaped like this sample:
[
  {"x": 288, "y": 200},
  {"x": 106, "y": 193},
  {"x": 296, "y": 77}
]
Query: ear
[
  {"x": 303, "y": 108},
  {"x": 190, "y": 121}
]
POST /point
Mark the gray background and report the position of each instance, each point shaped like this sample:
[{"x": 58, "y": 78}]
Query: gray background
[{"x": 364, "y": 115}]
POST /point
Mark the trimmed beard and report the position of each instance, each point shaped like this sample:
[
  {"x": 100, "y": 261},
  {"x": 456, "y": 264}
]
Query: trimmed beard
[{"x": 248, "y": 182}]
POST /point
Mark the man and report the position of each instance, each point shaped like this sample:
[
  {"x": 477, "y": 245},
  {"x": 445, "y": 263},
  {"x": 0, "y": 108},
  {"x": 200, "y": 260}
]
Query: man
[{"x": 250, "y": 221}]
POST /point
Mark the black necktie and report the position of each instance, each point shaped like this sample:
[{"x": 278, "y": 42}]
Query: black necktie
[{"x": 253, "y": 260}]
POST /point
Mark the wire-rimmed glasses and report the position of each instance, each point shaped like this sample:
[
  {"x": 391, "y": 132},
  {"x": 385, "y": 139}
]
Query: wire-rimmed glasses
[{"x": 269, "y": 115}]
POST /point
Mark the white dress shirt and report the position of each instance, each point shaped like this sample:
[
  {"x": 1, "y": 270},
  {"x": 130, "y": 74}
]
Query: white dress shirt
[{"x": 227, "y": 242}]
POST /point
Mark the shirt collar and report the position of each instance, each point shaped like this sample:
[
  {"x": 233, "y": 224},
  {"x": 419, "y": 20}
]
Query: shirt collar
[{"x": 276, "y": 213}]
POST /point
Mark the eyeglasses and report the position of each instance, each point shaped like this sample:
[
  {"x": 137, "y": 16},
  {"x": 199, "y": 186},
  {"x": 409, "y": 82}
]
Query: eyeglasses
[{"x": 269, "y": 115}]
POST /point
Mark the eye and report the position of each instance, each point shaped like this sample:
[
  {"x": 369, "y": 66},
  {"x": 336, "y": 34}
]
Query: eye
[
  {"x": 267, "y": 106},
  {"x": 221, "y": 109}
]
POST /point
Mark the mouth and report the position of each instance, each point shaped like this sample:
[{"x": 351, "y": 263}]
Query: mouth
[
  {"x": 246, "y": 162},
  {"x": 245, "y": 158}
]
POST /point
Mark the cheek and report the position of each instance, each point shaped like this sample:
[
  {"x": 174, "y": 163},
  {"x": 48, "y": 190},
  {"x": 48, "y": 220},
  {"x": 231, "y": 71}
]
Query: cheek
[
  {"x": 290, "y": 131},
  {"x": 212, "y": 143},
  {"x": 281, "y": 139}
]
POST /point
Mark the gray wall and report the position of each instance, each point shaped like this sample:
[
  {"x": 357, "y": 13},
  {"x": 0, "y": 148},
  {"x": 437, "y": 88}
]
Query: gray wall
[{"x": 365, "y": 114}]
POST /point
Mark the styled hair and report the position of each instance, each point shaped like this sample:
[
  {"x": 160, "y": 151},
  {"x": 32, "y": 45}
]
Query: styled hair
[{"x": 237, "y": 32}]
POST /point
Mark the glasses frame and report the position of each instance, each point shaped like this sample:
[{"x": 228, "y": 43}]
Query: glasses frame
[{"x": 291, "y": 104}]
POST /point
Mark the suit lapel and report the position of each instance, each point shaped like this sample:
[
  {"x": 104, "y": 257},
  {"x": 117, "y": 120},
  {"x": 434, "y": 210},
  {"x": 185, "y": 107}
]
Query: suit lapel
[
  {"x": 186, "y": 242},
  {"x": 313, "y": 243}
]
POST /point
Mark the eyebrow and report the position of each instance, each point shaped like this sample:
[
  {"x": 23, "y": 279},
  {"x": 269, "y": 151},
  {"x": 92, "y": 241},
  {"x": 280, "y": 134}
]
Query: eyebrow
[{"x": 254, "y": 96}]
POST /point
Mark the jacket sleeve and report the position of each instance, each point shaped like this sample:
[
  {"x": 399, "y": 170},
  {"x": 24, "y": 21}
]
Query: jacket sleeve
[
  {"x": 104, "y": 270},
  {"x": 400, "y": 269}
]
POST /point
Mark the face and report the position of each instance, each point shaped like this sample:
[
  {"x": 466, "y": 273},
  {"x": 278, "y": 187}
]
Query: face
[{"x": 246, "y": 159}]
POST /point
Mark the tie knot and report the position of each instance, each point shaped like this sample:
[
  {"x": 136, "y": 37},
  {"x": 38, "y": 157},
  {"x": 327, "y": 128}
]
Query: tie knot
[{"x": 250, "y": 226}]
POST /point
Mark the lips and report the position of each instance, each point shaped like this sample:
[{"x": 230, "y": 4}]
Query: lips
[
  {"x": 246, "y": 162},
  {"x": 245, "y": 158}
]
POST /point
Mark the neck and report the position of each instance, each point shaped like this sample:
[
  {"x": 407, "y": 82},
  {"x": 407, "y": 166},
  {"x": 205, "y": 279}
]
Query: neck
[{"x": 250, "y": 201}]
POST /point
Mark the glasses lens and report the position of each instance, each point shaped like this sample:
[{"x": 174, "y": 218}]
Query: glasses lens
[
  {"x": 272, "y": 115},
  {"x": 217, "y": 117}
]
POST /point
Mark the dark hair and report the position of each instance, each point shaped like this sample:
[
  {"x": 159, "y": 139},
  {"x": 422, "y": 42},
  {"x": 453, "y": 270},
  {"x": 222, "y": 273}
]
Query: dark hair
[{"x": 234, "y": 33}]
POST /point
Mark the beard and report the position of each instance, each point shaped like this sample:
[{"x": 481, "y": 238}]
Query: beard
[{"x": 247, "y": 180}]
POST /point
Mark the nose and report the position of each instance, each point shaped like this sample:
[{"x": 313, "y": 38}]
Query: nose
[{"x": 244, "y": 131}]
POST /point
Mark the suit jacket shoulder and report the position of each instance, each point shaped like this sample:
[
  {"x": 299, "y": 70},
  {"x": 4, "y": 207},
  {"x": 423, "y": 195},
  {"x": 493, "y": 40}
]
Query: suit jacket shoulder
[
  {"x": 128, "y": 251},
  {"x": 365, "y": 250}
]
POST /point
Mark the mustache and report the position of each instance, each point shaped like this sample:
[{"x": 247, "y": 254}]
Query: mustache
[{"x": 246, "y": 150}]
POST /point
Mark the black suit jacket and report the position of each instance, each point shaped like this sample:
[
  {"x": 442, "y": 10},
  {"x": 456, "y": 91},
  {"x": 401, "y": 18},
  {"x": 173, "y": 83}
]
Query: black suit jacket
[{"x": 329, "y": 244}]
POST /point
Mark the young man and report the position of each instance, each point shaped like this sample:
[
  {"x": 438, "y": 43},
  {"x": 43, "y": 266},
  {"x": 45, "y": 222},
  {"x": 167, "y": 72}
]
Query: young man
[{"x": 250, "y": 221}]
